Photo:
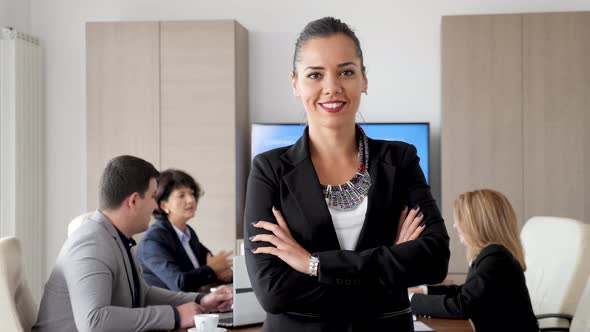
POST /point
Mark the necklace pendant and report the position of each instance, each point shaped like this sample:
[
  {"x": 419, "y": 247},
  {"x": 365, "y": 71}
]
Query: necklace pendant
[{"x": 349, "y": 195}]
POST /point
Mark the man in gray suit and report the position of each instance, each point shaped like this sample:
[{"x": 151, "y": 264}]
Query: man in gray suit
[{"x": 96, "y": 284}]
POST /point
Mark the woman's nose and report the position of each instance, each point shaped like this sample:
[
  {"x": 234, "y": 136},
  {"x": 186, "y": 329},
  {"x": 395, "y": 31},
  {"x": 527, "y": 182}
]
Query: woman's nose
[{"x": 332, "y": 84}]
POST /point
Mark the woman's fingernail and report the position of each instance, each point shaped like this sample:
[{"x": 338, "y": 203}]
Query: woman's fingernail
[
  {"x": 416, "y": 207},
  {"x": 420, "y": 214},
  {"x": 405, "y": 208},
  {"x": 251, "y": 237},
  {"x": 254, "y": 223},
  {"x": 253, "y": 250}
]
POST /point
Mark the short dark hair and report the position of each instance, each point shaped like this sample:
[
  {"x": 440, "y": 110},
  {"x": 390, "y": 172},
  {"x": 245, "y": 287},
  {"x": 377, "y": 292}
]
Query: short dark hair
[
  {"x": 325, "y": 27},
  {"x": 169, "y": 180},
  {"x": 123, "y": 176}
]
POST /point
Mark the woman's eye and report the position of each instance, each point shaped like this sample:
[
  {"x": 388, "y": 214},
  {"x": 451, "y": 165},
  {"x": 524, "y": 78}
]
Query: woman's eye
[
  {"x": 314, "y": 76},
  {"x": 347, "y": 73}
]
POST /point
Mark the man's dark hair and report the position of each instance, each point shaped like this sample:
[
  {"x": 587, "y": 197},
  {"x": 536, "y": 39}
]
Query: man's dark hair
[
  {"x": 169, "y": 180},
  {"x": 123, "y": 176},
  {"x": 325, "y": 27}
]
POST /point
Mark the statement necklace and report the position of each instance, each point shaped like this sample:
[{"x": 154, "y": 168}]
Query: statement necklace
[{"x": 349, "y": 195}]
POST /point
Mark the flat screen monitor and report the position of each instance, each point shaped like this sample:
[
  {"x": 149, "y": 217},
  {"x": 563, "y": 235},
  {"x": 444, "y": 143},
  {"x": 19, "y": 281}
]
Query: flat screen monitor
[{"x": 269, "y": 136}]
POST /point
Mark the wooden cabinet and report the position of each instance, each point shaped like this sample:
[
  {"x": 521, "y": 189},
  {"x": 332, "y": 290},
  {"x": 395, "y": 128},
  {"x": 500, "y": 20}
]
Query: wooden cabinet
[
  {"x": 481, "y": 123},
  {"x": 514, "y": 106},
  {"x": 123, "y": 96},
  {"x": 176, "y": 94},
  {"x": 556, "y": 113}
]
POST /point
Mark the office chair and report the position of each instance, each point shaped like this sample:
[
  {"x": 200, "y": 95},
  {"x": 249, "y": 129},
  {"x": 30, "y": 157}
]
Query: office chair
[
  {"x": 581, "y": 320},
  {"x": 78, "y": 221},
  {"x": 17, "y": 306},
  {"x": 557, "y": 254}
]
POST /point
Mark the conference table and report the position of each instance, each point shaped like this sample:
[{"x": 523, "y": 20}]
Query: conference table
[{"x": 437, "y": 324}]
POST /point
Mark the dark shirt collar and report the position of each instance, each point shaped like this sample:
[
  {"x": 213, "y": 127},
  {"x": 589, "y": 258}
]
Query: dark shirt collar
[{"x": 127, "y": 242}]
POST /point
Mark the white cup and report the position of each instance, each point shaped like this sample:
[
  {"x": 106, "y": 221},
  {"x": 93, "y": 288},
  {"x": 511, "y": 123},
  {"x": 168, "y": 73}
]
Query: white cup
[{"x": 206, "y": 322}]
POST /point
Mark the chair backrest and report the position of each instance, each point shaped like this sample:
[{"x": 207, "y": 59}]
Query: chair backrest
[
  {"x": 581, "y": 321},
  {"x": 557, "y": 254},
  {"x": 78, "y": 221},
  {"x": 17, "y": 306}
]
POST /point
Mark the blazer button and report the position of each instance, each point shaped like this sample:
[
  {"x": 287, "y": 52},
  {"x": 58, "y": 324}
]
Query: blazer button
[
  {"x": 338, "y": 281},
  {"x": 356, "y": 282},
  {"x": 348, "y": 282}
]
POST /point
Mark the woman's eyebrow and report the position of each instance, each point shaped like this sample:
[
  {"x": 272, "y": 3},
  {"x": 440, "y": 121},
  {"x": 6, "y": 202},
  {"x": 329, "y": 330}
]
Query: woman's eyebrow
[{"x": 339, "y": 66}]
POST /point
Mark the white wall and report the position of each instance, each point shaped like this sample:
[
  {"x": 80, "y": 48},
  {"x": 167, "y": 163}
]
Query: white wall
[
  {"x": 16, "y": 14},
  {"x": 400, "y": 40}
]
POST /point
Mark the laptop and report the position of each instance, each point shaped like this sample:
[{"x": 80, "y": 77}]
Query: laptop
[{"x": 246, "y": 309}]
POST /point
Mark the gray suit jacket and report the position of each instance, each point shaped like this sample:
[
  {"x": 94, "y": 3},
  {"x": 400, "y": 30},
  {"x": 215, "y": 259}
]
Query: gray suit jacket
[{"x": 90, "y": 287}]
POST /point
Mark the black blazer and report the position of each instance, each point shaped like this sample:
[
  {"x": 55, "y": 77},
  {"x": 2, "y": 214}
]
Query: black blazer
[
  {"x": 494, "y": 296},
  {"x": 356, "y": 290},
  {"x": 165, "y": 264}
]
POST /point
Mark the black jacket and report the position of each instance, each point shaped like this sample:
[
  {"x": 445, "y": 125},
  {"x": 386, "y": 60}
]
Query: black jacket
[
  {"x": 494, "y": 296},
  {"x": 165, "y": 264},
  {"x": 356, "y": 290}
]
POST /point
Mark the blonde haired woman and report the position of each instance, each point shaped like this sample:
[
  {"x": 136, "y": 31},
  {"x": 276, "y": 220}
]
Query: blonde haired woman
[{"x": 494, "y": 296}]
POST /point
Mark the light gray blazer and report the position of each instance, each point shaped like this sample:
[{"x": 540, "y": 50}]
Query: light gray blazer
[{"x": 89, "y": 287}]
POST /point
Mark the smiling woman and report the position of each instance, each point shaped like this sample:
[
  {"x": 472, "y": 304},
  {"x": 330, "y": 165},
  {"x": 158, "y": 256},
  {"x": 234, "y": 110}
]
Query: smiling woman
[{"x": 339, "y": 225}]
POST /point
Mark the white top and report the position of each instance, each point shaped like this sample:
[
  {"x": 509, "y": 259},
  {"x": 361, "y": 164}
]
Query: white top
[
  {"x": 348, "y": 224},
  {"x": 184, "y": 238}
]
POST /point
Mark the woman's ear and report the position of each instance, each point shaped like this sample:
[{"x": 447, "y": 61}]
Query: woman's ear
[
  {"x": 164, "y": 206},
  {"x": 293, "y": 77}
]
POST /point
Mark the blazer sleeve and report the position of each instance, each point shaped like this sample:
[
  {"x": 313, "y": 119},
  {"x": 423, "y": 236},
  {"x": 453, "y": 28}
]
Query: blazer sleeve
[
  {"x": 159, "y": 256},
  {"x": 89, "y": 274},
  {"x": 161, "y": 296},
  {"x": 444, "y": 290},
  {"x": 460, "y": 301}
]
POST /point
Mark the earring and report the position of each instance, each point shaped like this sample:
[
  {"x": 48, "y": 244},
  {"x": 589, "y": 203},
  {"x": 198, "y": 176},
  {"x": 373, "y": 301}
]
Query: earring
[
  {"x": 167, "y": 211},
  {"x": 365, "y": 92}
]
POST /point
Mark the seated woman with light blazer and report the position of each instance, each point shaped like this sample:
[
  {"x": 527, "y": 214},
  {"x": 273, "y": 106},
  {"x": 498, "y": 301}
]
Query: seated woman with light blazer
[
  {"x": 170, "y": 253},
  {"x": 494, "y": 296}
]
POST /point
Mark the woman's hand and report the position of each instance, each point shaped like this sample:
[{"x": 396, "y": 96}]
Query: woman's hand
[
  {"x": 286, "y": 248},
  {"x": 220, "y": 262},
  {"x": 409, "y": 227},
  {"x": 225, "y": 276}
]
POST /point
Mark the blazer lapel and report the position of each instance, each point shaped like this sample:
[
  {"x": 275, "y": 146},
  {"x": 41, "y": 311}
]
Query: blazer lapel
[
  {"x": 380, "y": 194},
  {"x": 179, "y": 248},
  {"x": 108, "y": 225},
  {"x": 303, "y": 183},
  {"x": 197, "y": 248}
]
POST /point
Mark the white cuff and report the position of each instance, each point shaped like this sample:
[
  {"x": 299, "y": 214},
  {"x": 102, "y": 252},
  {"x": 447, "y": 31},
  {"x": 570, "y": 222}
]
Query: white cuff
[{"x": 424, "y": 289}]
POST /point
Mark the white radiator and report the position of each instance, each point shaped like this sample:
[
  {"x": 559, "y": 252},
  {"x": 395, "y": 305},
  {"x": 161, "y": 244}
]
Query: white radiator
[{"x": 22, "y": 150}]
